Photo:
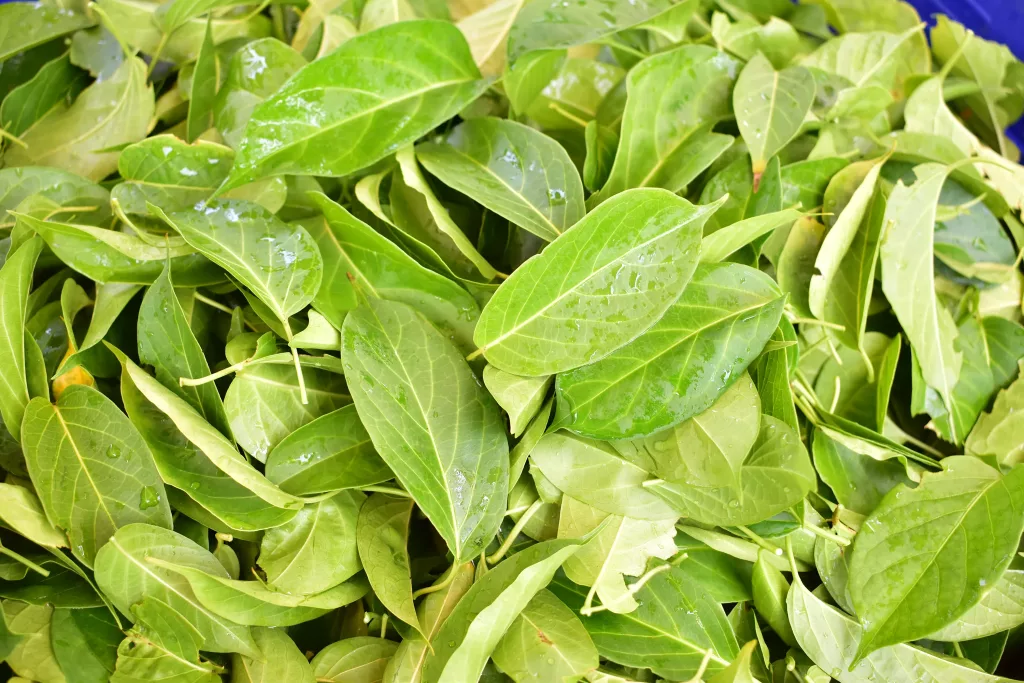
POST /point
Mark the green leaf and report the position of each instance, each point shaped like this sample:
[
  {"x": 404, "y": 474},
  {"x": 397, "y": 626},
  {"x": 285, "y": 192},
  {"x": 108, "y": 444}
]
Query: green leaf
[
  {"x": 545, "y": 642},
  {"x": 545, "y": 25},
  {"x": 183, "y": 465},
  {"x": 666, "y": 139},
  {"x": 559, "y": 311},
  {"x": 520, "y": 397},
  {"x": 414, "y": 412},
  {"x": 725, "y": 578},
  {"x": 831, "y": 639},
  {"x": 330, "y": 453},
  {"x": 256, "y": 71},
  {"x": 173, "y": 15},
  {"x": 592, "y": 472},
  {"x": 22, "y": 512},
  {"x": 279, "y": 660},
  {"x": 908, "y": 278},
  {"x": 681, "y": 365},
  {"x": 973, "y": 388},
  {"x": 918, "y": 541},
  {"x": 984, "y": 62},
  {"x": 858, "y": 481},
  {"x": 316, "y": 118},
  {"x": 30, "y": 101},
  {"x": 85, "y": 643},
  {"x": 126, "y": 576},
  {"x": 25, "y": 26},
  {"x": 176, "y": 176},
  {"x": 361, "y": 658},
  {"x": 996, "y": 431},
  {"x": 32, "y": 658},
  {"x": 162, "y": 646},
  {"x": 207, "y": 439},
  {"x": 776, "y": 475},
  {"x": 838, "y": 241},
  {"x": 887, "y": 59},
  {"x": 1001, "y": 608},
  {"x": 253, "y": 603},
  {"x": 203, "y": 87},
  {"x": 61, "y": 187},
  {"x": 85, "y": 439},
  {"x": 853, "y": 390},
  {"x": 675, "y": 625},
  {"x": 475, "y": 627},
  {"x": 167, "y": 343},
  {"x": 526, "y": 78},
  {"x": 770, "y": 108},
  {"x": 618, "y": 546},
  {"x": 15, "y": 283},
  {"x": 264, "y": 403},
  {"x": 382, "y": 537},
  {"x": 351, "y": 247},
  {"x": 107, "y": 114},
  {"x": 513, "y": 170},
  {"x": 282, "y": 265},
  {"x": 316, "y": 549},
  {"x": 707, "y": 450},
  {"x": 411, "y": 656},
  {"x": 770, "y": 588}
]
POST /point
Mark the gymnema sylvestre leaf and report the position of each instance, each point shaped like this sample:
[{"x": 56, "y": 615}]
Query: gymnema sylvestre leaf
[{"x": 446, "y": 341}]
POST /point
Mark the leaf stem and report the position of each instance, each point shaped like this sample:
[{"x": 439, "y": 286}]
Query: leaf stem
[
  {"x": 473, "y": 356},
  {"x": 211, "y": 303},
  {"x": 572, "y": 117},
  {"x": 818, "y": 531},
  {"x": 298, "y": 366},
  {"x": 400, "y": 493},
  {"x": 770, "y": 547},
  {"x": 189, "y": 382},
  {"x": 4, "y": 135},
  {"x": 23, "y": 560},
  {"x": 699, "y": 676},
  {"x": 516, "y": 530},
  {"x": 449, "y": 577},
  {"x": 796, "y": 320}
]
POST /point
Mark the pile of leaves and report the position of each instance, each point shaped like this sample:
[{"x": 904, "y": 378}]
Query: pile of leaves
[{"x": 549, "y": 340}]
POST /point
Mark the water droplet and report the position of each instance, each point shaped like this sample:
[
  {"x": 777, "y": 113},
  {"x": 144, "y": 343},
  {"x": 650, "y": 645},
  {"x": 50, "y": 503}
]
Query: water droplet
[
  {"x": 113, "y": 451},
  {"x": 149, "y": 498}
]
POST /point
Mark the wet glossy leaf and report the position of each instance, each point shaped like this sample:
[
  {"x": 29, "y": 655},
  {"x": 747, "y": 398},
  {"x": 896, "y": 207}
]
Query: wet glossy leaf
[
  {"x": 351, "y": 247},
  {"x": 126, "y": 577},
  {"x": 108, "y": 113},
  {"x": 592, "y": 472},
  {"x": 162, "y": 645},
  {"x": 457, "y": 476},
  {"x": 920, "y": 540},
  {"x": 30, "y": 101},
  {"x": 315, "y": 550},
  {"x": 708, "y": 449},
  {"x": 907, "y": 278},
  {"x": 520, "y": 397},
  {"x": 476, "y": 625},
  {"x": 382, "y": 538},
  {"x": 15, "y": 283},
  {"x": 85, "y": 439},
  {"x": 21, "y": 511},
  {"x": 511, "y": 169},
  {"x": 674, "y": 626},
  {"x": 681, "y": 365},
  {"x": 28, "y": 25},
  {"x": 995, "y": 432},
  {"x": 252, "y": 603},
  {"x": 558, "y": 311},
  {"x": 332, "y": 452},
  {"x": 280, "y": 264},
  {"x": 354, "y": 659},
  {"x": 85, "y": 643},
  {"x": 669, "y": 144},
  {"x": 775, "y": 476},
  {"x": 546, "y": 642},
  {"x": 255, "y": 72},
  {"x": 621, "y": 547},
  {"x": 887, "y": 59},
  {"x": 264, "y": 404},
  {"x": 33, "y": 656},
  {"x": 832, "y": 639},
  {"x": 770, "y": 108},
  {"x": 279, "y": 660},
  {"x": 315, "y": 118}
]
